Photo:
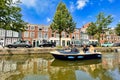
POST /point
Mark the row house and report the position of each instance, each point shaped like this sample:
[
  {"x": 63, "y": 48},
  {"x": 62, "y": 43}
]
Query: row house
[
  {"x": 75, "y": 37},
  {"x": 109, "y": 36},
  {"x": 8, "y": 37},
  {"x": 66, "y": 39},
  {"x": 83, "y": 34},
  {"x": 38, "y": 34}
]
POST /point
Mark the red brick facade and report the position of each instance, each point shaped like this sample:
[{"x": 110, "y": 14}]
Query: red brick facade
[{"x": 40, "y": 32}]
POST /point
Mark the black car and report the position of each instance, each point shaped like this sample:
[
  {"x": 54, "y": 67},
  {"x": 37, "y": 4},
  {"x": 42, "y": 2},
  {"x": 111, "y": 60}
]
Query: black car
[
  {"x": 19, "y": 44},
  {"x": 48, "y": 44},
  {"x": 116, "y": 44}
]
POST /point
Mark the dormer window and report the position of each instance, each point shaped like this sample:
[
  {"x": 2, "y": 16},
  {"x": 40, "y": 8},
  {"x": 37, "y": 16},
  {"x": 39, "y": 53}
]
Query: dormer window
[{"x": 40, "y": 29}]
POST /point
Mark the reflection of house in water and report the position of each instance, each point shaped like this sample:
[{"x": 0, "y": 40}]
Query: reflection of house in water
[
  {"x": 43, "y": 68},
  {"x": 6, "y": 66},
  {"x": 30, "y": 68},
  {"x": 36, "y": 66},
  {"x": 111, "y": 61},
  {"x": 7, "y": 69}
]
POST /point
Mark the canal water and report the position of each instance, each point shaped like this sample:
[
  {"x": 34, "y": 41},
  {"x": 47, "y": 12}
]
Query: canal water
[{"x": 45, "y": 67}]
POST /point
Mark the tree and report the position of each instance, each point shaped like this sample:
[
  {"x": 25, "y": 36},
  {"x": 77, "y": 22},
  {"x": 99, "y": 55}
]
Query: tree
[
  {"x": 62, "y": 21},
  {"x": 10, "y": 16},
  {"x": 117, "y": 29},
  {"x": 100, "y": 26}
]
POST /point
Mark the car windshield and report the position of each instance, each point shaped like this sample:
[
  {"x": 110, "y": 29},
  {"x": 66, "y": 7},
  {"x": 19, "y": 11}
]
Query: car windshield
[
  {"x": 16, "y": 42},
  {"x": 107, "y": 43}
]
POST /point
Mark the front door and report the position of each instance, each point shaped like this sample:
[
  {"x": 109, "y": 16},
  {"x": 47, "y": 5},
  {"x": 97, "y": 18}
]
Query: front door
[{"x": 63, "y": 42}]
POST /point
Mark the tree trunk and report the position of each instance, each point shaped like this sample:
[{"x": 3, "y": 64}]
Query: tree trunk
[
  {"x": 60, "y": 39},
  {"x": 99, "y": 40}
]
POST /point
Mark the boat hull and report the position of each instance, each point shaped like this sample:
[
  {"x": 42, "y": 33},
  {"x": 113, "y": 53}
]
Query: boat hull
[{"x": 77, "y": 56}]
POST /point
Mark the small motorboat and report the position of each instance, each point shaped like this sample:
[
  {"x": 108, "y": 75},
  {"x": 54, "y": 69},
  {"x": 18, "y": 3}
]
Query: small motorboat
[{"x": 80, "y": 55}]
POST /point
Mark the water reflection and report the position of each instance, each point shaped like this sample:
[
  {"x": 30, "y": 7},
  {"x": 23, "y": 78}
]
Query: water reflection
[{"x": 44, "y": 67}]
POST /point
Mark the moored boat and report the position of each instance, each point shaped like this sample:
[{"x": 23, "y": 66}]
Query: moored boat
[{"x": 68, "y": 55}]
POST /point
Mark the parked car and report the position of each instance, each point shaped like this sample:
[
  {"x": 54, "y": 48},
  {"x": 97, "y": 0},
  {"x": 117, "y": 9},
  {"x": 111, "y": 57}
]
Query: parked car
[
  {"x": 107, "y": 44},
  {"x": 19, "y": 44},
  {"x": 116, "y": 44},
  {"x": 94, "y": 44},
  {"x": 48, "y": 44}
]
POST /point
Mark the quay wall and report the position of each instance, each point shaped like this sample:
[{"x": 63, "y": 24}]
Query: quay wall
[{"x": 47, "y": 50}]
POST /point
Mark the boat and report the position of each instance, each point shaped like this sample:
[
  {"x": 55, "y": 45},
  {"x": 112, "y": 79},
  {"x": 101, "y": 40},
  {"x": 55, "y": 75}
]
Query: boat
[{"x": 80, "y": 55}]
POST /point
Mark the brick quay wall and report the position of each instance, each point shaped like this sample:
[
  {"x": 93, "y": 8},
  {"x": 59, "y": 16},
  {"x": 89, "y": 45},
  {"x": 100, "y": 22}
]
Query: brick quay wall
[{"x": 47, "y": 50}]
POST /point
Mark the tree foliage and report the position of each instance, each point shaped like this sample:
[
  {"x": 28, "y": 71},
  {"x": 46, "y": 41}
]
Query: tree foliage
[
  {"x": 62, "y": 20},
  {"x": 117, "y": 29},
  {"x": 100, "y": 26},
  {"x": 10, "y": 16}
]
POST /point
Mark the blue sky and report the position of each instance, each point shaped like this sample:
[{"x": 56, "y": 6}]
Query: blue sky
[{"x": 82, "y": 11}]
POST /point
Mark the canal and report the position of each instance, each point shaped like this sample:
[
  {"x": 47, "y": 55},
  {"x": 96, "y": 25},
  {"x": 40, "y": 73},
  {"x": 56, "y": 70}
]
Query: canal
[{"x": 45, "y": 67}]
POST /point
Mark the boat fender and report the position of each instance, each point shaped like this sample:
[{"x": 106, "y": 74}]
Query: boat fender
[
  {"x": 99, "y": 55},
  {"x": 71, "y": 57},
  {"x": 80, "y": 56}
]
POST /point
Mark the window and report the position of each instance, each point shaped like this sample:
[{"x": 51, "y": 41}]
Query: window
[
  {"x": 9, "y": 33},
  {"x": 40, "y": 35},
  {"x": 32, "y": 34},
  {"x": 45, "y": 29},
  {"x": 77, "y": 30},
  {"x": 8, "y": 41},
  {"x": 2, "y": 32},
  {"x": 67, "y": 36},
  {"x": 77, "y": 36},
  {"x": 32, "y": 27},
  {"x": 45, "y": 35},
  {"x": 63, "y": 34},
  {"x": 15, "y": 34},
  {"x": 52, "y": 34},
  {"x": 26, "y": 34},
  {"x": 57, "y": 35}
]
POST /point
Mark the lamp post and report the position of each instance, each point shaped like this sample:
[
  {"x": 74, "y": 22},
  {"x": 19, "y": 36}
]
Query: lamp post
[
  {"x": 40, "y": 34},
  {"x": 73, "y": 40}
]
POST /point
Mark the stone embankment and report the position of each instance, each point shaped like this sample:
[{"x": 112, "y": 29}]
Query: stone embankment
[
  {"x": 47, "y": 50},
  {"x": 25, "y": 50},
  {"x": 108, "y": 49}
]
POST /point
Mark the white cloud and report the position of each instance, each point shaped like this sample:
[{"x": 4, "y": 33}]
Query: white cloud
[
  {"x": 29, "y": 3},
  {"x": 48, "y": 19},
  {"x": 72, "y": 7},
  {"x": 40, "y": 6},
  {"x": 81, "y": 3},
  {"x": 114, "y": 16},
  {"x": 14, "y": 1}
]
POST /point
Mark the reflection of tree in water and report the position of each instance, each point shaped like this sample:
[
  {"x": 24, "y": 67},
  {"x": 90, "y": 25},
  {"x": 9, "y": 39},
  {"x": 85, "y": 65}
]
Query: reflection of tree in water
[
  {"x": 100, "y": 73},
  {"x": 16, "y": 77}
]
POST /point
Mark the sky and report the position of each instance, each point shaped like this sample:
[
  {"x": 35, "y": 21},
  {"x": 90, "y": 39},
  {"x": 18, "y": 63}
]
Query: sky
[{"x": 82, "y": 11}]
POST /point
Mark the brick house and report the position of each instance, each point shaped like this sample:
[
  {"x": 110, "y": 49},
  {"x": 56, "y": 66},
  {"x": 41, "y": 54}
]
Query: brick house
[{"x": 37, "y": 34}]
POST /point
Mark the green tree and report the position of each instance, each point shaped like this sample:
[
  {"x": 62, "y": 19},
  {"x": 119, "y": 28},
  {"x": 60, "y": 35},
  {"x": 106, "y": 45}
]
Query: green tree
[
  {"x": 10, "y": 16},
  {"x": 62, "y": 21},
  {"x": 100, "y": 25},
  {"x": 117, "y": 29}
]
